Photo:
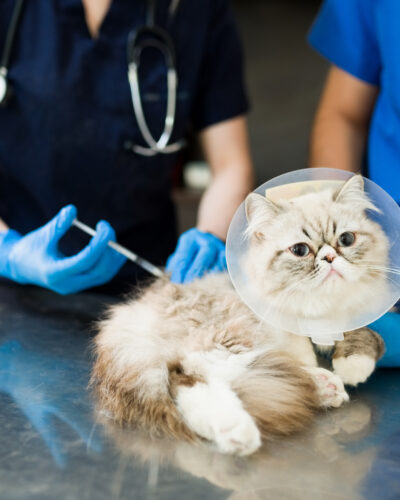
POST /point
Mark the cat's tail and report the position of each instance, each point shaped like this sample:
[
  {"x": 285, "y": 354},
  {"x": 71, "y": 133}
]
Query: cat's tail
[{"x": 280, "y": 395}]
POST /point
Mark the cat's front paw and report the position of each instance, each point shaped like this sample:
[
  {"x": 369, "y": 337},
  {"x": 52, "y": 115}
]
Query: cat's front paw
[
  {"x": 330, "y": 387},
  {"x": 238, "y": 435},
  {"x": 354, "y": 369}
]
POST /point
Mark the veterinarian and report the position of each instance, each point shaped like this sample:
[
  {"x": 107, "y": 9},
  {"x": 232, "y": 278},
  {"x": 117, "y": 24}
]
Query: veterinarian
[
  {"x": 357, "y": 123},
  {"x": 80, "y": 138}
]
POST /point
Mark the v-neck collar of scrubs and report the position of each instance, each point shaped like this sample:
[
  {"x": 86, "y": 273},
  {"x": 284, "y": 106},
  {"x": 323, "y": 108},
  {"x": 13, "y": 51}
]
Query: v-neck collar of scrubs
[{"x": 117, "y": 21}]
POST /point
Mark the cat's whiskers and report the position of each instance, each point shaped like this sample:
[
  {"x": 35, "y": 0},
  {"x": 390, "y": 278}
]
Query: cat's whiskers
[
  {"x": 286, "y": 295},
  {"x": 386, "y": 270},
  {"x": 390, "y": 279},
  {"x": 376, "y": 267}
]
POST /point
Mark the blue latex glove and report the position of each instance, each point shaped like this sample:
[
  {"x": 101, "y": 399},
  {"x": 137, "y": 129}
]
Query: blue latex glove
[
  {"x": 35, "y": 258},
  {"x": 196, "y": 254},
  {"x": 388, "y": 327},
  {"x": 46, "y": 389}
]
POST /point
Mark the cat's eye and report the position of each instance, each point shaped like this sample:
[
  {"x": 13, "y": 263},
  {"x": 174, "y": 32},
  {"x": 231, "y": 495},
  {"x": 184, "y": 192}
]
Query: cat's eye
[
  {"x": 346, "y": 239},
  {"x": 300, "y": 250}
]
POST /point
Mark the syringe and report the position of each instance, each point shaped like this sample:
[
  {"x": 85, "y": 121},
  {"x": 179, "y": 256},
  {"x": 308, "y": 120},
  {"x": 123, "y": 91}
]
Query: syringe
[{"x": 143, "y": 263}]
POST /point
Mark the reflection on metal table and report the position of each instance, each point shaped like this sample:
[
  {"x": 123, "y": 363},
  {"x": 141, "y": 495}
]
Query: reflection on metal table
[{"x": 55, "y": 445}]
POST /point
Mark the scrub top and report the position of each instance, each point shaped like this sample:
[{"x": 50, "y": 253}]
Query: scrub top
[
  {"x": 63, "y": 132},
  {"x": 362, "y": 37}
]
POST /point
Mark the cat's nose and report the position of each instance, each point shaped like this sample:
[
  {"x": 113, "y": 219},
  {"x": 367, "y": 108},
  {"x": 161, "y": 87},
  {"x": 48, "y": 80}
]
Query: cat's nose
[{"x": 330, "y": 257}]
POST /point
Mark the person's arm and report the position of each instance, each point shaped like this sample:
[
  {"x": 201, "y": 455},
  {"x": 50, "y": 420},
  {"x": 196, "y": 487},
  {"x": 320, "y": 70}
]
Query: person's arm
[
  {"x": 226, "y": 149},
  {"x": 202, "y": 249},
  {"x": 340, "y": 129},
  {"x": 3, "y": 226},
  {"x": 338, "y": 140},
  {"x": 220, "y": 105}
]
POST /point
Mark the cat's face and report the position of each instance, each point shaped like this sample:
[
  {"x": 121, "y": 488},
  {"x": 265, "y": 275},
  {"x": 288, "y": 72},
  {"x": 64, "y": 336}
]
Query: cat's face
[{"x": 317, "y": 253}]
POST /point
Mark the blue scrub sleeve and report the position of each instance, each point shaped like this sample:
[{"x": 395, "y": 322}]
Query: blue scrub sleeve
[
  {"x": 344, "y": 32},
  {"x": 388, "y": 327},
  {"x": 221, "y": 93}
]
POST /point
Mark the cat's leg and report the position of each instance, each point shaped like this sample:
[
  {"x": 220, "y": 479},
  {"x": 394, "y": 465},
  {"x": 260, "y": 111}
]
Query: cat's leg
[
  {"x": 300, "y": 348},
  {"x": 330, "y": 387},
  {"x": 213, "y": 411},
  {"x": 354, "y": 358}
]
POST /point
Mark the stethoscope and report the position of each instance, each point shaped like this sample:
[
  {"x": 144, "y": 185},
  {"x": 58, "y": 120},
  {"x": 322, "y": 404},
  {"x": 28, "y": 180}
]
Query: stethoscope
[
  {"x": 149, "y": 35},
  {"x": 158, "y": 38},
  {"x": 5, "y": 88}
]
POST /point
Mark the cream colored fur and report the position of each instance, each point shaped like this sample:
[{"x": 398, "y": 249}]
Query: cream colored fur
[
  {"x": 218, "y": 342},
  {"x": 354, "y": 369},
  {"x": 193, "y": 361},
  {"x": 303, "y": 287}
]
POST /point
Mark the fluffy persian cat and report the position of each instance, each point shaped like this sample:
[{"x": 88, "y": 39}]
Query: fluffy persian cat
[{"x": 194, "y": 362}]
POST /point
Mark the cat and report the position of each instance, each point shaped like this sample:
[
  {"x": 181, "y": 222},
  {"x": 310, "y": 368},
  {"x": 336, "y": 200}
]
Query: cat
[{"x": 193, "y": 361}]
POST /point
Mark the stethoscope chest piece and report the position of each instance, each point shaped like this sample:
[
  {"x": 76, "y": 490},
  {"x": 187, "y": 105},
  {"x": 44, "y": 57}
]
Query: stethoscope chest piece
[{"x": 5, "y": 89}]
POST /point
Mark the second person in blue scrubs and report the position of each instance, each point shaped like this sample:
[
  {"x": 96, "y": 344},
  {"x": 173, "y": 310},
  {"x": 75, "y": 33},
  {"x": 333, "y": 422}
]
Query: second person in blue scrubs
[
  {"x": 64, "y": 129},
  {"x": 358, "y": 119}
]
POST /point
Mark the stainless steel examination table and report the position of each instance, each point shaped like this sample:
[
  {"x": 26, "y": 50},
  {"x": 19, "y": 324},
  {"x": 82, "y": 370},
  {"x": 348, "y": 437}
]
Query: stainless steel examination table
[{"x": 54, "y": 445}]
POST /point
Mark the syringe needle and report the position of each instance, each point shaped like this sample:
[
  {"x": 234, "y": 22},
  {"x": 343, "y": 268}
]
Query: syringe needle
[{"x": 143, "y": 263}]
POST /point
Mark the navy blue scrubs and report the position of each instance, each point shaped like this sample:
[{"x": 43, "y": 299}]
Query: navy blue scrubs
[{"x": 62, "y": 134}]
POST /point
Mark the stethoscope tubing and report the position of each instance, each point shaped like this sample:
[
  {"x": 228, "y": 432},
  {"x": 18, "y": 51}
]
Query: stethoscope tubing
[
  {"x": 159, "y": 39},
  {"x": 10, "y": 37}
]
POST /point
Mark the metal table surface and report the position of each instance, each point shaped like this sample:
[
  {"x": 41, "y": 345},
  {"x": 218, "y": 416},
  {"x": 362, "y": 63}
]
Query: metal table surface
[{"x": 55, "y": 445}]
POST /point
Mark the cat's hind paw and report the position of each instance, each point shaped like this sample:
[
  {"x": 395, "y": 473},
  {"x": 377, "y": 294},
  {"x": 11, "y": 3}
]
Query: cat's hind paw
[
  {"x": 238, "y": 435},
  {"x": 354, "y": 369},
  {"x": 330, "y": 387}
]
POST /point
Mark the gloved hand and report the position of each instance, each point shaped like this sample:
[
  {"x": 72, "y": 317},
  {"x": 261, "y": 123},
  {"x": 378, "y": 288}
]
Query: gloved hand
[
  {"x": 388, "y": 327},
  {"x": 35, "y": 258},
  {"x": 196, "y": 254}
]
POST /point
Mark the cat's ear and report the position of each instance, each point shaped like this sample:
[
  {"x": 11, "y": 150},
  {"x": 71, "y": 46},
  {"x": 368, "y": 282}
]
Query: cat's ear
[
  {"x": 352, "y": 192},
  {"x": 259, "y": 211}
]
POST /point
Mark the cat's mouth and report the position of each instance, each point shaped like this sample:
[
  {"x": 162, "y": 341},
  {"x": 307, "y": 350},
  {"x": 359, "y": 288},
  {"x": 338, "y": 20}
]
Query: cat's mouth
[{"x": 333, "y": 273}]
